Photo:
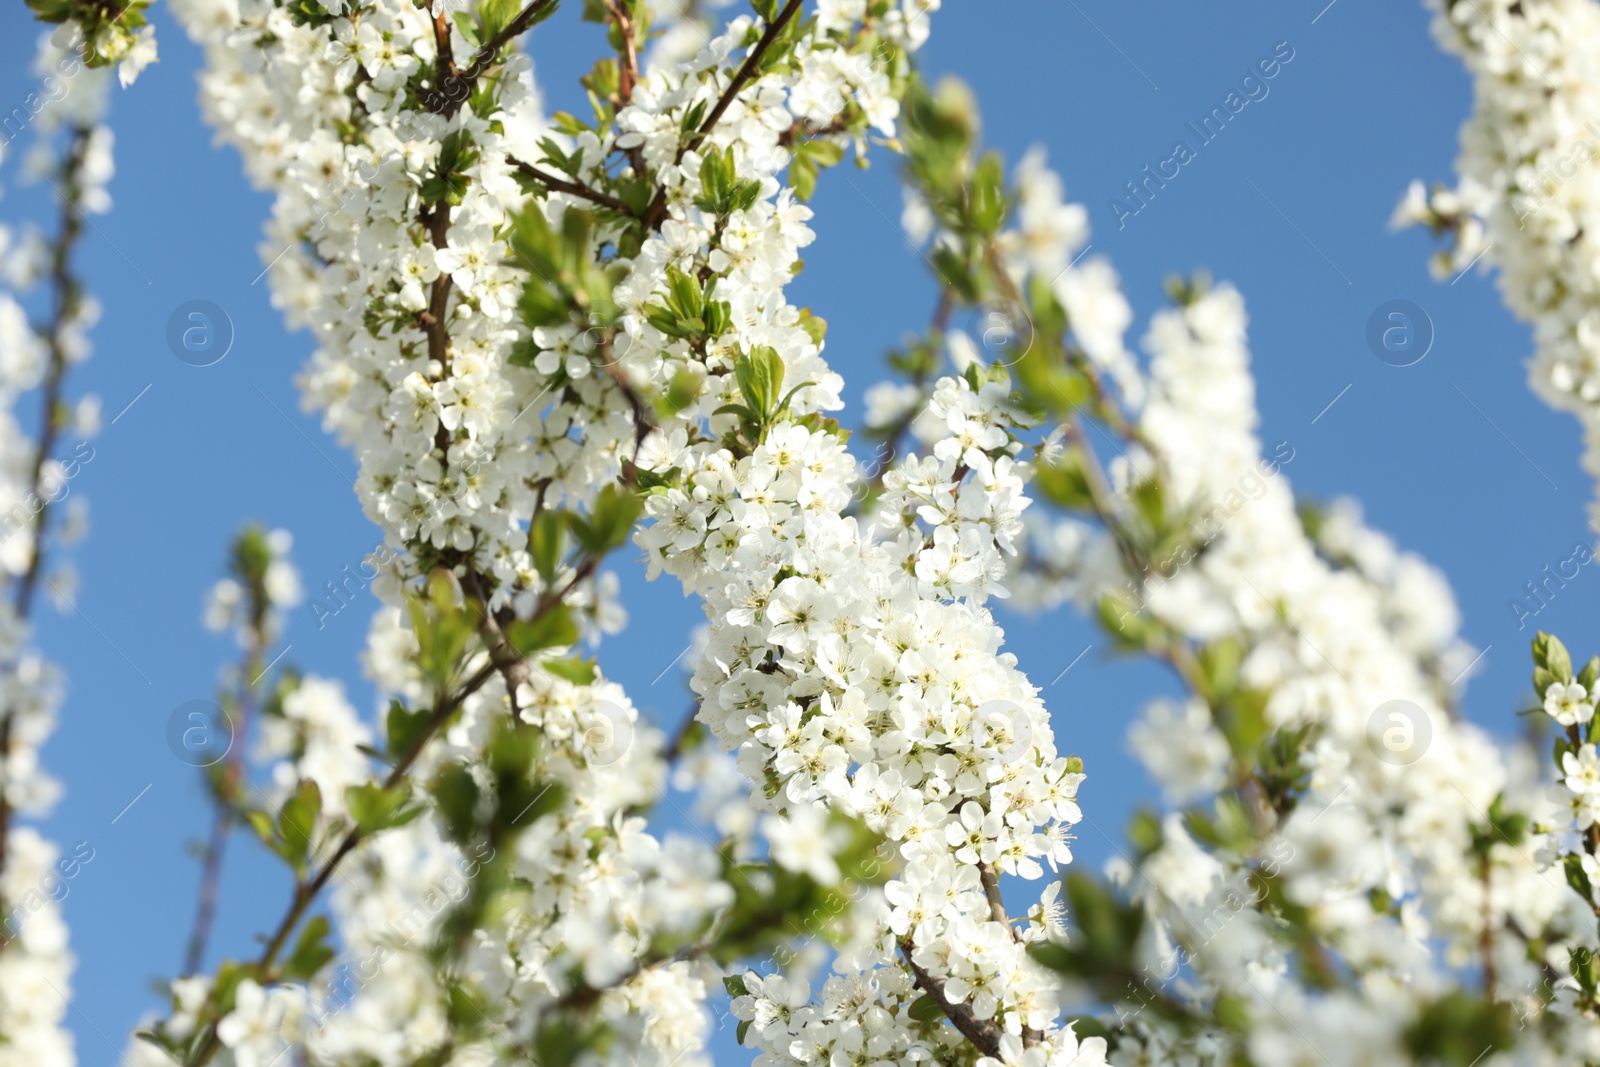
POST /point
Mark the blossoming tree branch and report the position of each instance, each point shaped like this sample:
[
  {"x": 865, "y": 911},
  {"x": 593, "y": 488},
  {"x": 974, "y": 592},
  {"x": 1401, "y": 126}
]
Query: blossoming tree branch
[{"x": 549, "y": 338}]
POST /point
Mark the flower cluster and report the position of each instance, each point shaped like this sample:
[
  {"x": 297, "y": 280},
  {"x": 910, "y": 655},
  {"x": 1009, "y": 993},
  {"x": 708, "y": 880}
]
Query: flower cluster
[
  {"x": 74, "y": 151},
  {"x": 1340, "y": 845},
  {"x": 546, "y": 337},
  {"x": 498, "y": 360},
  {"x": 1529, "y": 169}
]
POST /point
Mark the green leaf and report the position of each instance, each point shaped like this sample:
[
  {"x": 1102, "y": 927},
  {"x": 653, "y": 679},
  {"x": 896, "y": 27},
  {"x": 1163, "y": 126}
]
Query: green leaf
[
  {"x": 683, "y": 294},
  {"x": 1108, "y": 930},
  {"x": 760, "y": 378},
  {"x": 721, "y": 190},
  {"x": 1055, "y": 956},
  {"x": 815, "y": 326},
  {"x": 311, "y": 951},
  {"x": 1144, "y": 831},
  {"x": 375, "y": 808},
  {"x": 1551, "y": 654},
  {"x": 824, "y": 153},
  {"x": 1065, "y": 482},
  {"x": 297, "y": 824},
  {"x": 1577, "y": 877},
  {"x": 469, "y": 28},
  {"x": 988, "y": 195},
  {"x": 576, "y": 671},
  {"x": 455, "y": 794},
  {"x": 261, "y": 822},
  {"x": 744, "y": 1028},
  {"x": 1150, "y": 498},
  {"x": 803, "y": 176},
  {"x": 925, "y": 1009},
  {"x": 550, "y": 629},
  {"x": 1125, "y": 619},
  {"x": 610, "y": 521},
  {"x": 734, "y": 984},
  {"x": 545, "y": 542},
  {"x": 496, "y": 15},
  {"x": 443, "y": 628},
  {"x": 229, "y": 975},
  {"x": 1460, "y": 1029},
  {"x": 403, "y": 727}
]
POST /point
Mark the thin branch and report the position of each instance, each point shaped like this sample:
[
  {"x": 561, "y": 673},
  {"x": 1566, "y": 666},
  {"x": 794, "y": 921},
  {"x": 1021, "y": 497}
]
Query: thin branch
[
  {"x": 227, "y": 797},
  {"x": 65, "y": 290},
  {"x": 561, "y": 185},
  {"x": 306, "y": 892},
  {"x": 455, "y": 86},
  {"x": 65, "y": 287},
  {"x": 656, "y": 213},
  {"x": 747, "y": 70},
  {"x": 803, "y": 130},
  {"x": 991, "y": 891},
  {"x": 515, "y": 28},
  {"x": 983, "y": 1033},
  {"x": 628, "y": 69}
]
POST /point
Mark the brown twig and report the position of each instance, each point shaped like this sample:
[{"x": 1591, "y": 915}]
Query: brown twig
[
  {"x": 628, "y": 69},
  {"x": 455, "y": 86},
  {"x": 307, "y": 891},
  {"x": 64, "y": 286},
  {"x": 656, "y": 213},
  {"x": 984, "y": 1034},
  {"x": 746, "y": 71},
  {"x": 226, "y": 807},
  {"x": 561, "y": 185},
  {"x": 803, "y": 130}
]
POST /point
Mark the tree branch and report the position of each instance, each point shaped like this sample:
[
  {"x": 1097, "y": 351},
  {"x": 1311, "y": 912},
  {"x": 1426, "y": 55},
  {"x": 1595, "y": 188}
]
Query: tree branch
[
  {"x": 455, "y": 86},
  {"x": 306, "y": 892},
  {"x": 64, "y": 286},
  {"x": 656, "y": 213},
  {"x": 983, "y": 1033},
  {"x": 561, "y": 185},
  {"x": 226, "y": 803},
  {"x": 746, "y": 71},
  {"x": 628, "y": 69}
]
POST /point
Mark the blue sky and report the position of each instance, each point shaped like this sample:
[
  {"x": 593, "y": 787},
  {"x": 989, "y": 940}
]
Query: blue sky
[{"x": 1453, "y": 456}]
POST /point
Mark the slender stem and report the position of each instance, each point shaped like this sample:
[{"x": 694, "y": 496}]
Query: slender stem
[
  {"x": 657, "y": 211},
  {"x": 515, "y": 28},
  {"x": 680, "y": 738},
  {"x": 746, "y": 71},
  {"x": 64, "y": 287},
  {"x": 561, "y": 185},
  {"x": 226, "y": 801},
  {"x": 628, "y": 69},
  {"x": 455, "y": 86},
  {"x": 991, "y": 890},
  {"x": 803, "y": 130},
  {"x": 306, "y": 891},
  {"x": 1486, "y": 937}
]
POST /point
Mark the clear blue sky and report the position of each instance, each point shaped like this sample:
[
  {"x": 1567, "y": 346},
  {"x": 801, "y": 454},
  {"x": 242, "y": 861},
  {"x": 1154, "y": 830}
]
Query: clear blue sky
[{"x": 1290, "y": 203}]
